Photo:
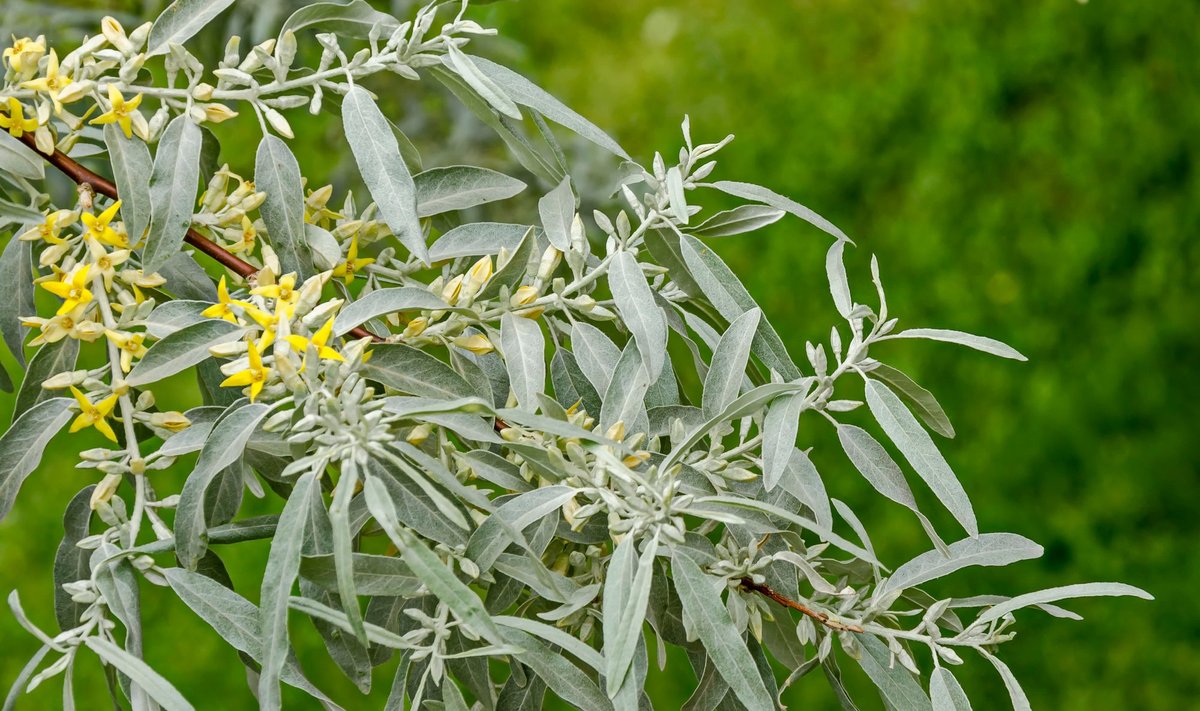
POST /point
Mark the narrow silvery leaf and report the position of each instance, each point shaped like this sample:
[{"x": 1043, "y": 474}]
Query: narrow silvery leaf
[
  {"x": 277, "y": 173},
  {"x": 354, "y": 19},
  {"x": 476, "y": 239},
  {"x": 383, "y": 170},
  {"x": 727, "y": 370},
  {"x": 172, "y": 191},
  {"x": 180, "y": 22},
  {"x": 622, "y": 633},
  {"x": 920, "y": 451},
  {"x": 283, "y": 564},
  {"x": 71, "y": 563},
  {"x": 735, "y": 502},
  {"x": 224, "y": 446},
  {"x": 779, "y": 437},
  {"x": 132, "y": 167},
  {"x": 485, "y": 87},
  {"x": 744, "y": 405},
  {"x": 16, "y": 270},
  {"x": 707, "y": 618},
  {"x": 625, "y": 398},
  {"x": 679, "y": 206},
  {"x": 744, "y": 218},
  {"x": 557, "y": 210},
  {"x": 343, "y": 549},
  {"x": 898, "y": 687},
  {"x": 414, "y": 371},
  {"x": 193, "y": 437},
  {"x": 140, "y": 674},
  {"x": 803, "y": 481},
  {"x": 426, "y": 565},
  {"x": 1020, "y": 702},
  {"x": 525, "y": 358},
  {"x": 839, "y": 285},
  {"x": 570, "y": 384},
  {"x": 382, "y": 302},
  {"x": 182, "y": 349},
  {"x": 920, "y": 401},
  {"x": 946, "y": 693},
  {"x": 642, "y": 315},
  {"x": 459, "y": 187},
  {"x": 988, "y": 549},
  {"x": 1065, "y": 592},
  {"x": 170, "y": 316},
  {"x": 22, "y": 445},
  {"x": 979, "y": 343},
  {"x": 186, "y": 279},
  {"x": 233, "y": 617},
  {"x": 595, "y": 353},
  {"x": 749, "y": 191},
  {"x": 49, "y": 360},
  {"x": 517, "y": 513},
  {"x": 17, "y": 159},
  {"x": 876, "y": 466},
  {"x": 526, "y": 93},
  {"x": 567, "y": 680},
  {"x": 719, "y": 284},
  {"x": 374, "y": 575}
]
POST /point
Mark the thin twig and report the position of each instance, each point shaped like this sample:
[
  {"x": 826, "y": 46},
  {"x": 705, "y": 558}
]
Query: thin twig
[
  {"x": 77, "y": 172},
  {"x": 822, "y": 617}
]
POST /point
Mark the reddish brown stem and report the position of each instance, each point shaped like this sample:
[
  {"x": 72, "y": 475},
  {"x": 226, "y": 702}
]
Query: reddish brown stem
[
  {"x": 81, "y": 175},
  {"x": 771, "y": 594}
]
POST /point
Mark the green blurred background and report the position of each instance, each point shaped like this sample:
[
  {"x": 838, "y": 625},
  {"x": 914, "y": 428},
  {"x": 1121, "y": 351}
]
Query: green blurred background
[{"x": 1025, "y": 170}]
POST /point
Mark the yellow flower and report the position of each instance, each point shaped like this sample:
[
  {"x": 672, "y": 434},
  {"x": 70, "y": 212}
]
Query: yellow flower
[
  {"x": 73, "y": 289},
  {"x": 255, "y": 375},
  {"x": 320, "y": 340},
  {"x": 353, "y": 263},
  {"x": 92, "y": 415},
  {"x": 15, "y": 121},
  {"x": 100, "y": 229},
  {"x": 106, "y": 262},
  {"x": 130, "y": 344},
  {"x": 315, "y": 210},
  {"x": 56, "y": 328},
  {"x": 476, "y": 277},
  {"x": 121, "y": 112},
  {"x": 284, "y": 291},
  {"x": 268, "y": 321},
  {"x": 52, "y": 84},
  {"x": 24, "y": 55},
  {"x": 477, "y": 344},
  {"x": 49, "y": 229},
  {"x": 246, "y": 241},
  {"x": 221, "y": 308}
]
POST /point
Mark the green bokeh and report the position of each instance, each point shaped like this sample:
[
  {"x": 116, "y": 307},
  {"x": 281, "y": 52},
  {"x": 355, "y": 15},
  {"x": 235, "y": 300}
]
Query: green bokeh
[{"x": 1025, "y": 170}]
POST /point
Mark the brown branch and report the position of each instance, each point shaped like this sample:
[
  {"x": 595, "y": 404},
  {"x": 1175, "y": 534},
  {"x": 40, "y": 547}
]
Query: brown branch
[
  {"x": 81, "y": 175},
  {"x": 822, "y": 617}
]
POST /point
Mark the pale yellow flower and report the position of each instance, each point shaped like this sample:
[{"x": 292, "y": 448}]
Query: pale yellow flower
[
  {"x": 15, "y": 121},
  {"x": 121, "y": 112},
  {"x": 255, "y": 375},
  {"x": 72, "y": 289},
  {"x": 320, "y": 340},
  {"x": 353, "y": 263},
  {"x": 94, "y": 414},
  {"x": 52, "y": 83}
]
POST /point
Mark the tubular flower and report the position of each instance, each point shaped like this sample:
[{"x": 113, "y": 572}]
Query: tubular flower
[
  {"x": 130, "y": 344},
  {"x": 268, "y": 321},
  {"x": 15, "y": 121},
  {"x": 93, "y": 415},
  {"x": 56, "y": 328},
  {"x": 49, "y": 230},
  {"x": 106, "y": 262},
  {"x": 121, "y": 112},
  {"x": 245, "y": 241},
  {"x": 284, "y": 292},
  {"x": 255, "y": 375},
  {"x": 99, "y": 227},
  {"x": 222, "y": 309},
  {"x": 24, "y": 54},
  {"x": 319, "y": 340},
  {"x": 353, "y": 263},
  {"x": 72, "y": 289},
  {"x": 52, "y": 84}
]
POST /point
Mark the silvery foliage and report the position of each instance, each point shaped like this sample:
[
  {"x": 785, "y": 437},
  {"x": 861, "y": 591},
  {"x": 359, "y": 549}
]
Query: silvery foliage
[{"x": 511, "y": 469}]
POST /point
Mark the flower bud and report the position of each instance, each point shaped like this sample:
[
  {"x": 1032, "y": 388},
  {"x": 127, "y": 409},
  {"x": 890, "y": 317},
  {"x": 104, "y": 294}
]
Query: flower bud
[{"x": 476, "y": 343}]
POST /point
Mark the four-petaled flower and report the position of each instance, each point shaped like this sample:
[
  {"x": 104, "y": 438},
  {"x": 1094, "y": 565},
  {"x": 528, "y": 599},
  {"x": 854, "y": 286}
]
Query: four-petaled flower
[
  {"x": 52, "y": 84},
  {"x": 100, "y": 229},
  {"x": 222, "y": 309},
  {"x": 24, "y": 54},
  {"x": 106, "y": 262},
  {"x": 15, "y": 121},
  {"x": 92, "y": 415},
  {"x": 255, "y": 375},
  {"x": 130, "y": 344},
  {"x": 72, "y": 289},
  {"x": 121, "y": 112},
  {"x": 319, "y": 340},
  {"x": 245, "y": 242},
  {"x": 353, "y": 263}
]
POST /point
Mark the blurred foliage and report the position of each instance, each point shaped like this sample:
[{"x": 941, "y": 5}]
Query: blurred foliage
[{"x": 1024, "y": 170}]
